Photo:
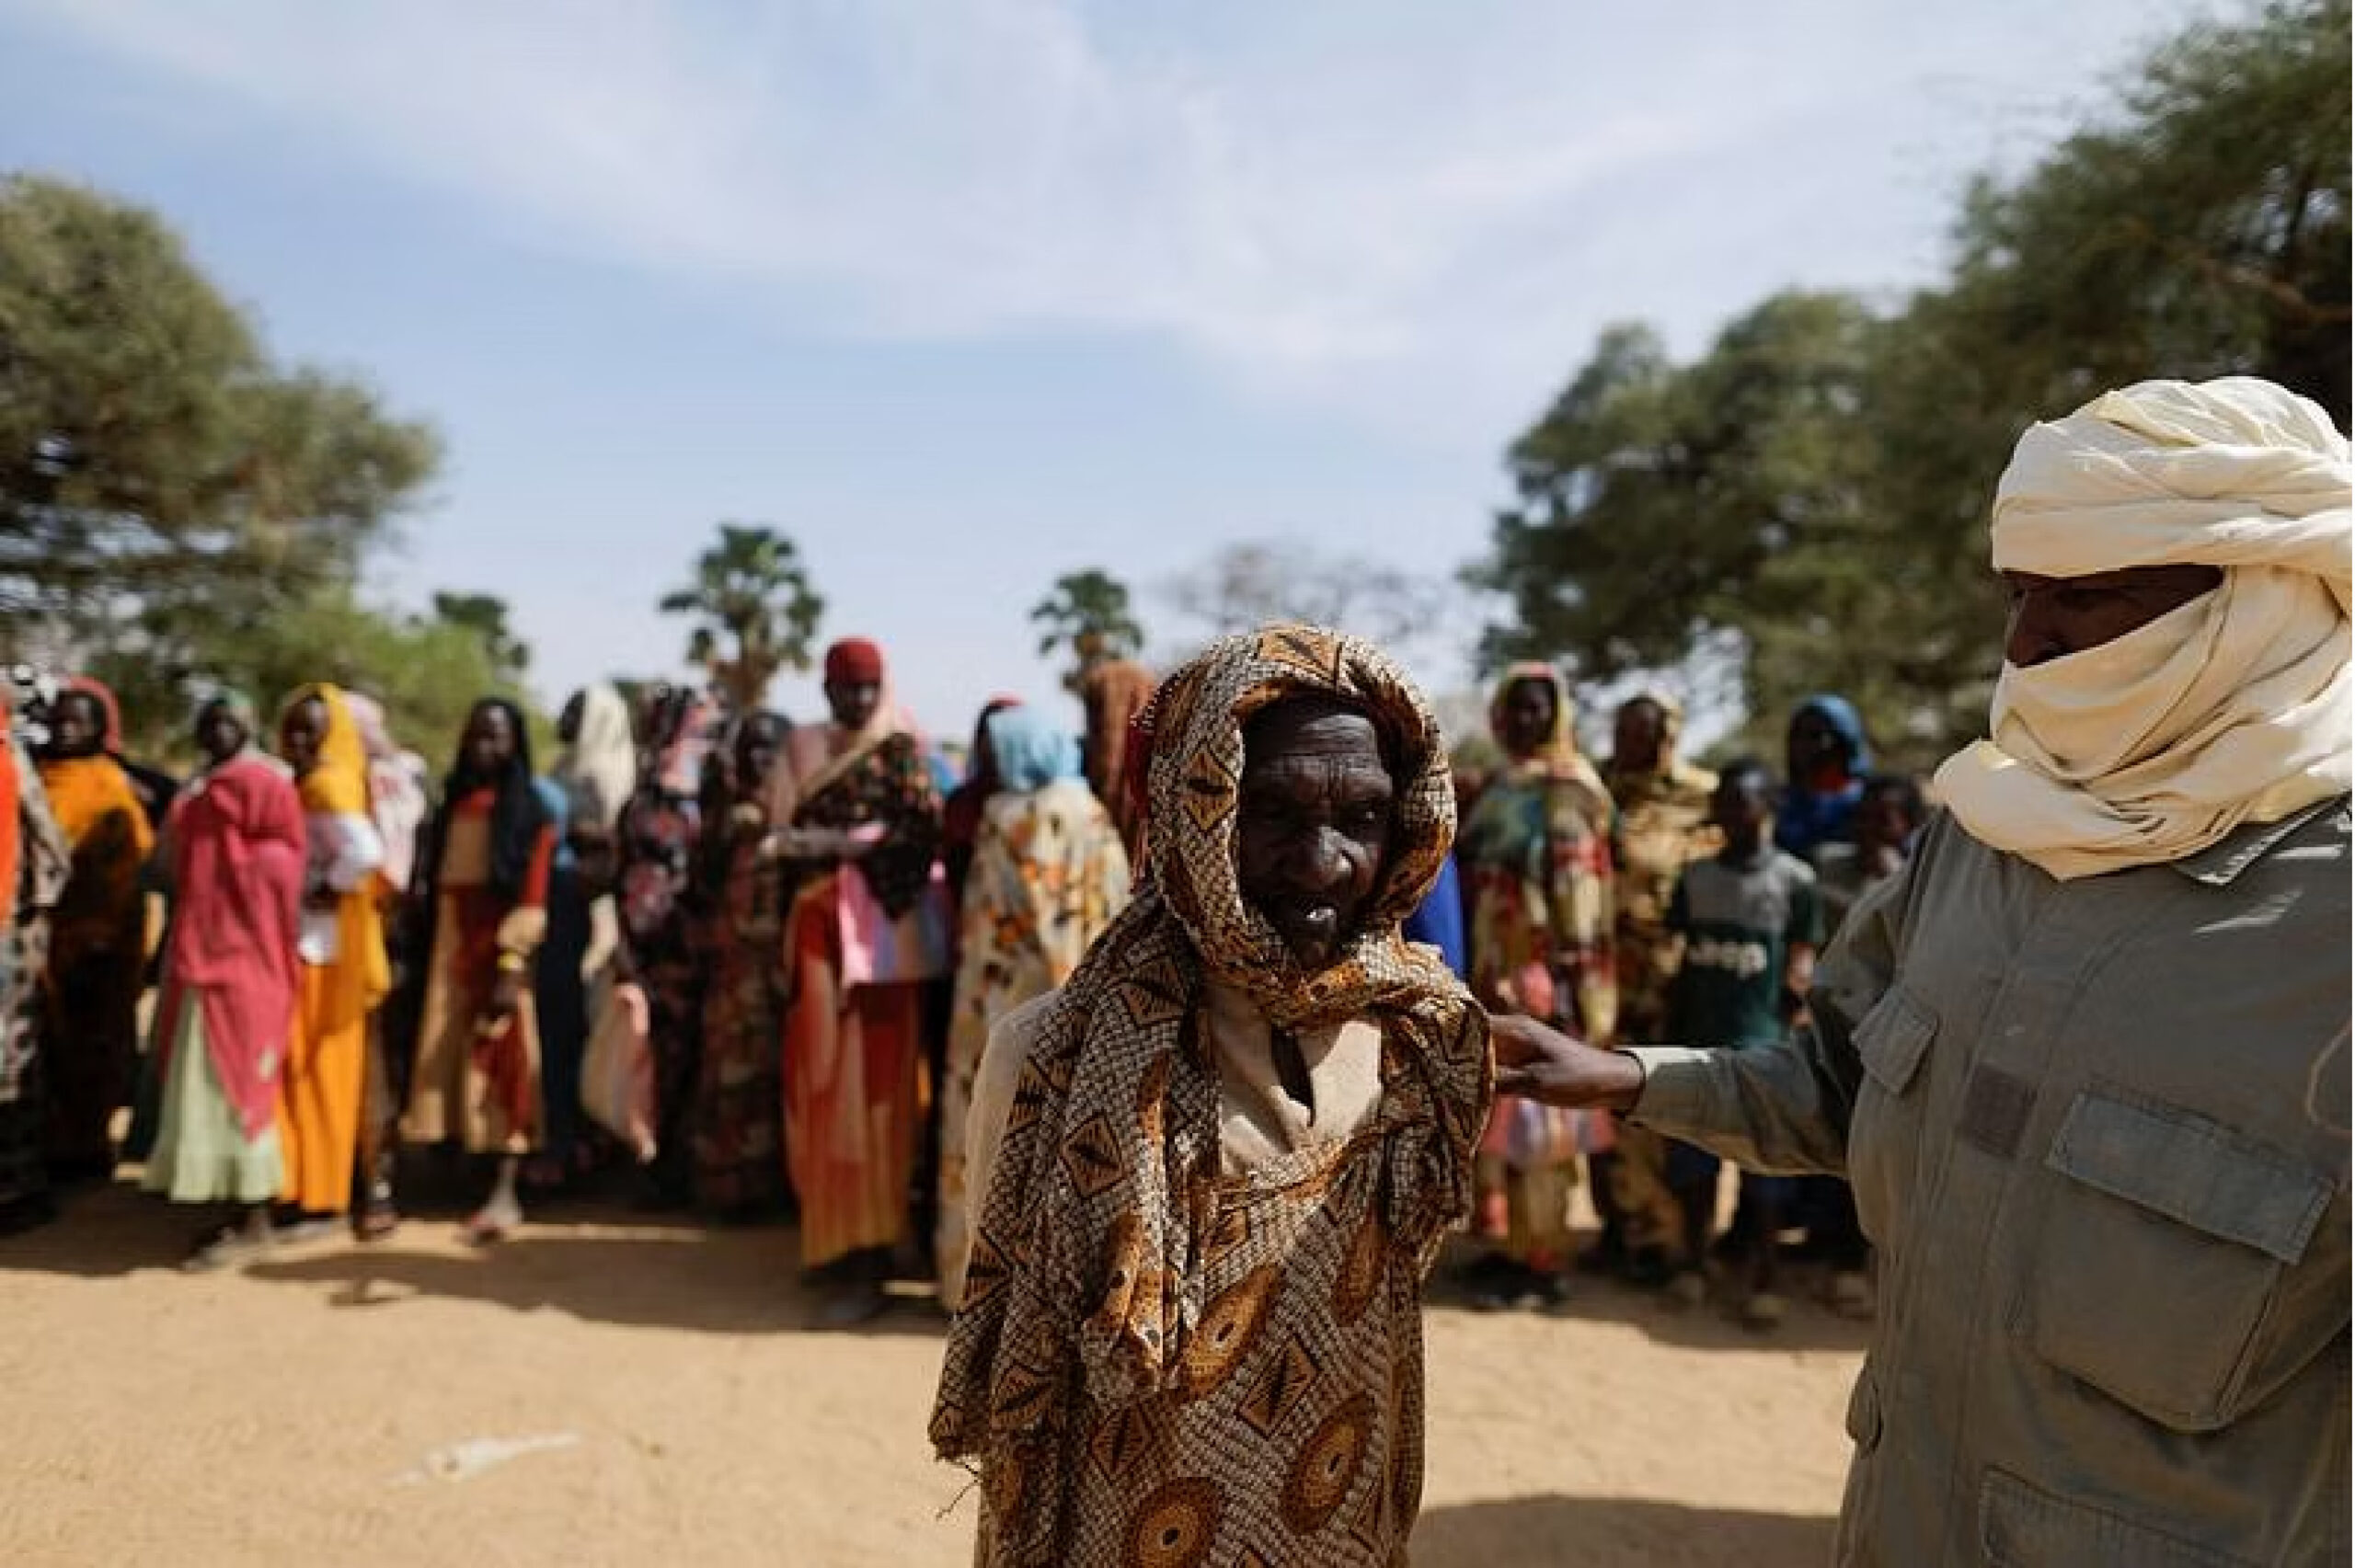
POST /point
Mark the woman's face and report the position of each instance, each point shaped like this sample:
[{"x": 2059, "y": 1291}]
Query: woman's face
[
  {"x": 301, "y": 733},
  {"x": 853, "y": 703},
  {"x": 77, "y": 726},
  {"x": 487, "y": 747},
  {"x": 567, "y": 723},
  {"x": 1527, "y": 722},
  {"x": 1318, "y": 808},
  {"x": 220, "y": 733},
  {"x": 1638, "y": 738},
  {"x": 756, "y": 746},
  {"x": 1815, "y": 746}
]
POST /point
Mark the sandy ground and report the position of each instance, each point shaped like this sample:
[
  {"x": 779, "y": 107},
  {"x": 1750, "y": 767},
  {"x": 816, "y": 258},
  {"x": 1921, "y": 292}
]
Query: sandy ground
[{"x": 291, "y": 1414}]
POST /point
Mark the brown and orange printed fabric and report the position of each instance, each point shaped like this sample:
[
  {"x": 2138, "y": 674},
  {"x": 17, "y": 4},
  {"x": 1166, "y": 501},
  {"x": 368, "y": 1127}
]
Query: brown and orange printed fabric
[
  {"x": 888, "y": 784},
  {"x": 1158, "y": 1364}
]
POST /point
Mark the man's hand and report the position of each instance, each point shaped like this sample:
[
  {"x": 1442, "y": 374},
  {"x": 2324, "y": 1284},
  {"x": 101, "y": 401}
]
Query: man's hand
[{"x": 1545, "y": 1065}]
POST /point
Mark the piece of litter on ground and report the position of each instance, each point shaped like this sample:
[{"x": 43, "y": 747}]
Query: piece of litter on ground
[{"x": 464, "y": 1461}]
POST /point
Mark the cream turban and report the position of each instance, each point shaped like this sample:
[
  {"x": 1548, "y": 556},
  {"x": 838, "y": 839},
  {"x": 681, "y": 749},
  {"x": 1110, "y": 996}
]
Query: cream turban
[{"x": 2234, "y": 708}]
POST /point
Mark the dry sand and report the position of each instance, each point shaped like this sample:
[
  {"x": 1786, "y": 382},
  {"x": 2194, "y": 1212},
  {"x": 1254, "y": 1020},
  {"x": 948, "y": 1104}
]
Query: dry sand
[{"x": 287, "y": 1415}]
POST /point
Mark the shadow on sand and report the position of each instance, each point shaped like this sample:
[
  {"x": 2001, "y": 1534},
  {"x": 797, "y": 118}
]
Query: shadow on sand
[
  {"x": 598, "y": 1262},
  {"x": 1615, "y": 1532},
  {"x": 1810, "y": 1325}
]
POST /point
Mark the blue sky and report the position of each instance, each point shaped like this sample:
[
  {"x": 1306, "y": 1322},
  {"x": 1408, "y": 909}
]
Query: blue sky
[{"x": 965, "y": 293}]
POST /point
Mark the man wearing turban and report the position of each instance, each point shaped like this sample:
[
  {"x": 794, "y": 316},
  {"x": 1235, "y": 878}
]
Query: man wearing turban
[{"x": 2085, "y": 1058}]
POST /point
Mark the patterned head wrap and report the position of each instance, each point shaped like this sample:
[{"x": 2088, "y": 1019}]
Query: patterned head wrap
[{"x": 1089, "y": 1249}]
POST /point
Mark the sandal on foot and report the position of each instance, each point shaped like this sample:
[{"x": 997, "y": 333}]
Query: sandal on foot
[
  {"x": 484, "y": 1229},
  {"x": 375, "y": 1223},
  {"x": 226, "y": 1248}
]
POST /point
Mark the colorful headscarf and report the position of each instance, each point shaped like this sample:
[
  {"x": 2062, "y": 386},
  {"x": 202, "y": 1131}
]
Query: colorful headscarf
[
  {"x": 1031, "y": 750},
  {"x": 110, "y": 710},
  {"x": 337, "y": 786},
  {"x": 2233, "y": 708},
  {"x": 1087, "y": 1257},
  {"x": 1558, "y": 758},
  {"x": 818, "y": 754},
  {"x": 399, "y": 789},
  {"x": 1811, "y": 816},
  {"x": 693, "y": 726},
  {"x": 853, "y": 660}
]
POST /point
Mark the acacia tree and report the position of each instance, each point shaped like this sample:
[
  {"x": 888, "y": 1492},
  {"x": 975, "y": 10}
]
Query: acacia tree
[
  {"x": 1090, "y": 613},
  {"x": 1813, "y": 489},
  {"x": 1253, "y": 584},
  {"x": 159, "y": 473},
  {"x": 483, "y": 615},
  {"x": 755, "y": 613}
]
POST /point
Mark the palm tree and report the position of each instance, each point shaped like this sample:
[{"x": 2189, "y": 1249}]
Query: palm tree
[
  {"x": 756, "y": 613},
  {"x": 1089, "y": 613}
]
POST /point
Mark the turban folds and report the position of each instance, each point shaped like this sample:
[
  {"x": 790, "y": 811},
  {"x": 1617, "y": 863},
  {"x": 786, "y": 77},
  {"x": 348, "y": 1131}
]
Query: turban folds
[{"x": 2232, "y": 709}]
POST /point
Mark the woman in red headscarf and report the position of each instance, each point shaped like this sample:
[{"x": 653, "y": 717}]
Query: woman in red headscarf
[
  {"x": 230, "y": 980},
  {"x": 866, "y": 925}
]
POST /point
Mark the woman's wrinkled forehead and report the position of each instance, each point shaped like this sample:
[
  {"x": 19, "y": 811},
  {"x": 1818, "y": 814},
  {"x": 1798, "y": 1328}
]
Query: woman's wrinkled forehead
[{"x": 1287, "y": 717}]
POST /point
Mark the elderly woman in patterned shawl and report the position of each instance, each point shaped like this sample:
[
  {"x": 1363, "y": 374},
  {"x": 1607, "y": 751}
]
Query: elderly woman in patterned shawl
[{"x": 1216, "y": 1165}]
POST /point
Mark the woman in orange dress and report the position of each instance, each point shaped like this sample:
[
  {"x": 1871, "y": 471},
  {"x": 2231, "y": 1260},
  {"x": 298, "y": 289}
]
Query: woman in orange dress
[
  {"x": 344, "y": 973},
  {"x": 866, "y": 925},
  {"x": 97, "y": 936}
]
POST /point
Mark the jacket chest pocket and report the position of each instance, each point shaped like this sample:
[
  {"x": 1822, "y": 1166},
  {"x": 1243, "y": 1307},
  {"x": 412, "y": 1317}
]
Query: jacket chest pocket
[
  {"x": 1892, "y": 1041},
  {"x": 2172, "y": 1273}
]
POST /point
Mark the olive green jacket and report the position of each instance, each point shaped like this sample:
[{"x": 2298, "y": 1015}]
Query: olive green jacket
[{"x": 2099, "y": 1131}]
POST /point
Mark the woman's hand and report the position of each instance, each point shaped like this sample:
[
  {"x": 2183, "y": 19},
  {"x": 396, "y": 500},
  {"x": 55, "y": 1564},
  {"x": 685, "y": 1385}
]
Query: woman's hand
[
  {"x": 506, "y": 996},
  {"x": 1544, "y": 1064}
]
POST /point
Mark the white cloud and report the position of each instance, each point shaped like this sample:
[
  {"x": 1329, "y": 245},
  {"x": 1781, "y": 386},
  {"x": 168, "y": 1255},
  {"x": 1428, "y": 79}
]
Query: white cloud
[{"x": 1420, "y": 211}]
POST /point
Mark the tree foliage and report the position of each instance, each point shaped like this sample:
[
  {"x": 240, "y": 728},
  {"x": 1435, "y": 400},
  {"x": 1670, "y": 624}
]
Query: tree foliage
[
  {"x": 426, "y": 670},
  {"x": 755, "y": 613},
  {"x": 1090, "y": 614},
  {"x": 151, "y": 454},
  {"x": 1815, "y": 484},
  {"x": 485, "y": 614}
]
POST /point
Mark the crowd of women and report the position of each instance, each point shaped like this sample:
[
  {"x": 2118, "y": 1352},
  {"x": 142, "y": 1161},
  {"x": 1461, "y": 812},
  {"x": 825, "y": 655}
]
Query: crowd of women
[
  {"x": 761, "y": 959},
  {"x": 757, "y": 959}
]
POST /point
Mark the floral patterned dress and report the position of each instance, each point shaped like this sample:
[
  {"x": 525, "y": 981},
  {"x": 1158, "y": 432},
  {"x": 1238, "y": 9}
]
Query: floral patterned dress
[{"x": 1048, "y": 874}]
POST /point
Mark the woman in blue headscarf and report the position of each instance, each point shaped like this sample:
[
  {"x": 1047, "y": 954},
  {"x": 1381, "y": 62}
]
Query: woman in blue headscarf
[
  {"x": 1828, "y": 760},
  {"x": 1048, "y": 874}
]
